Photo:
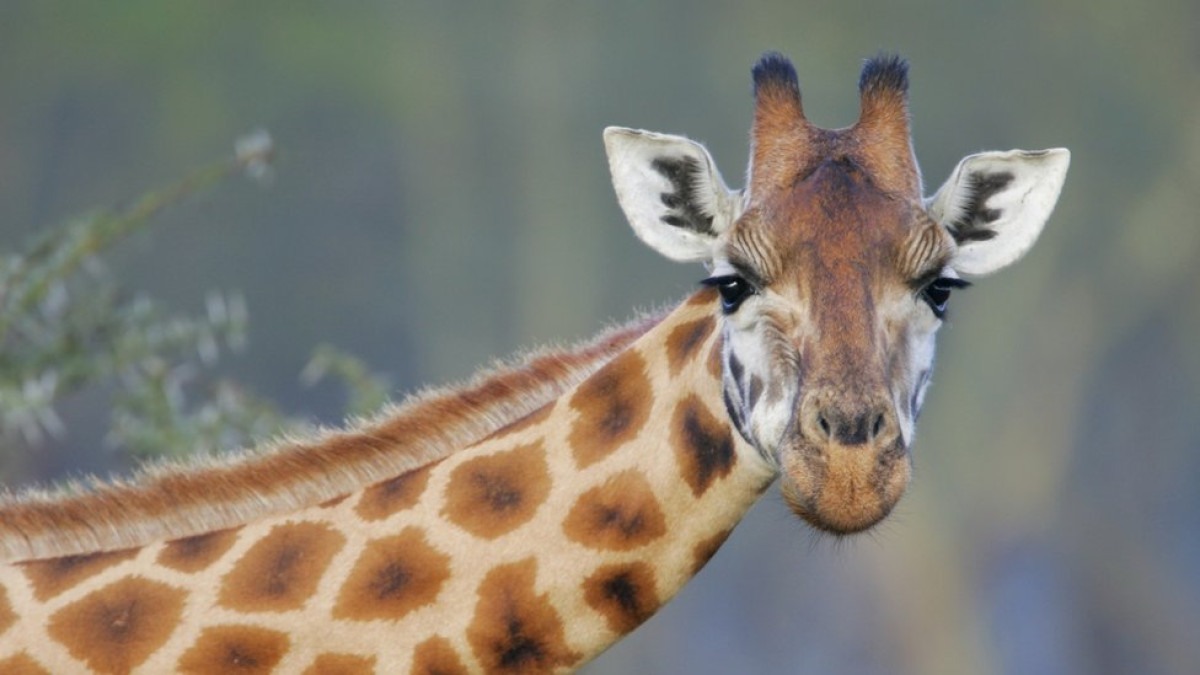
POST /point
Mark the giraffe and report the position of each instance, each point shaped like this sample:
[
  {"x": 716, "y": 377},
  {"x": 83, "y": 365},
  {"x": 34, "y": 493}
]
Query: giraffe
[{"x": 527, "y": 519}]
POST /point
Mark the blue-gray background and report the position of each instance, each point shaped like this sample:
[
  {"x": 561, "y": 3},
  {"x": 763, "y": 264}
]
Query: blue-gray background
[{"x": 442, "y": 198}]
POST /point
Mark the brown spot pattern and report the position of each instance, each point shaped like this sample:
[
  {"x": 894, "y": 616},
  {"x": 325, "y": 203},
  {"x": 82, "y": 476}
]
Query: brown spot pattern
[
  {"x": 7, "y": 616},
  {"x": 492, "y": 495},
  {"x": 281, "y": 571},
  {"x": 234, "y": 649},
  {"x": 514, "y": 629},
  {"x": 703, "y": 551},
  {"x": 331, "y": 503},
  {"x": 703, "y": 445},
  {"x": 393, "y": 495},
  {"x": 21, "y": 664},
  {"x": 51, "y": 577},
  {"x": 624, "y": 594},
  {"x": 197, "y": 553},
  {"x": 685, "y": 339},
  {"x": 705, "y": 297},
  {"x": 393, "y": 576},
  {"x": 620, "y": 514},
  {"x": 613, "y": 406},
  {"x": 116, "y": 628},
  {"x": 341, "y": 664},
  {"x": 714, "y": 360},
  {"x": 436, "y": 656}
]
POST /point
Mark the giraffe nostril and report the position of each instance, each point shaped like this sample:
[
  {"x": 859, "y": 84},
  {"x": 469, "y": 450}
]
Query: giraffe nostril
[
  {"x": 877, "y": 428},
  {"x": 824, "y": 424}
]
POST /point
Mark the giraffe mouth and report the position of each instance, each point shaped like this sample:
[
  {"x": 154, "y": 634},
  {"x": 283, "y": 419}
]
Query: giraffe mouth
[{"x": 844, "y": 489}]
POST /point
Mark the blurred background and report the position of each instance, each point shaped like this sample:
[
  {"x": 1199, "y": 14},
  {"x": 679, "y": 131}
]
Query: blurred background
[{"x": 441, "y": 198}]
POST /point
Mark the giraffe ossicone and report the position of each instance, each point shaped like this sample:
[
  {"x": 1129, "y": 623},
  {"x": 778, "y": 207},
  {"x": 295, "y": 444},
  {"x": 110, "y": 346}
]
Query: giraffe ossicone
[{"x": 528, "y": 519}]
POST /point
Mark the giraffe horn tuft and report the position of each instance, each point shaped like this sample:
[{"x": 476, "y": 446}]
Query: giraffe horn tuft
[
  {"x": 883, "y": 75},
  {"x": 775, "y": 76},
  {"x": 883, "y": 92},
  {"x": 780, "y": 134},
  {"x": 883, "y": 127}
]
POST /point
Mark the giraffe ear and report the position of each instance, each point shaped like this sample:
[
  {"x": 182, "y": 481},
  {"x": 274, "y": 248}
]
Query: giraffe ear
[
  {"x": 995, "y": 204},
  {"x": 671, "y": 192}
]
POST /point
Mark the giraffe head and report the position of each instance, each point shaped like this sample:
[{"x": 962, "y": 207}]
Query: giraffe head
[{"x": 834, "y": 273}]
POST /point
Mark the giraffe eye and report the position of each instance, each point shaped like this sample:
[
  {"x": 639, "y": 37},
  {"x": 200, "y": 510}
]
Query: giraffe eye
[
  {"x": 733, "y": 289},
  {"x": 937, "y": 293}
]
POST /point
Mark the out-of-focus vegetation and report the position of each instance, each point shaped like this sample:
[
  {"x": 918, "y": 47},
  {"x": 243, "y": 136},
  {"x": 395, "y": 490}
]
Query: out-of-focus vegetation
[
  {"x": 66, "y": 326},
  {"x": 444, "y": 199}
]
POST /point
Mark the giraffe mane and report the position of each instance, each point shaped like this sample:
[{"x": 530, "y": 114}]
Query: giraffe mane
[{"x": 176, "y": 499}]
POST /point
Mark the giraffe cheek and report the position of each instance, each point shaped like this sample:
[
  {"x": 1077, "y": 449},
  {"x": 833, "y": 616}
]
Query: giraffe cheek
[{"x": 768, "y": 423}]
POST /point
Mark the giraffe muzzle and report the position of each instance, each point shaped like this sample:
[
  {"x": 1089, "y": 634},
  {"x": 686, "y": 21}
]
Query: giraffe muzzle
[{"x": 847, "y": 467}]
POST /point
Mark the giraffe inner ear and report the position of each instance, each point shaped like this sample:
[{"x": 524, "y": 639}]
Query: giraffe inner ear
[
  {"x": 995, "y": 205},
  {"x": 671, "y": 192}
]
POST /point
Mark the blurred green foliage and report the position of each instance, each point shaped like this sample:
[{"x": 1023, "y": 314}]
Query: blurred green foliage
[{"x": 67, "y": 325}]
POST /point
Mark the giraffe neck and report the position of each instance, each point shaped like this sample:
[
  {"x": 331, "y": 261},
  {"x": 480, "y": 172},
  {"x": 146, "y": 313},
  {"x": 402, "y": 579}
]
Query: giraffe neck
[
  {"x": 529, "y": 551},
  {"x": 177, "y": 500},
  {"x": 646, "y": 481}
]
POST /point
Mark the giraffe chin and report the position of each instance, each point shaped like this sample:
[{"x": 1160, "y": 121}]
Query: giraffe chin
[{"x": 843, "y": 490}]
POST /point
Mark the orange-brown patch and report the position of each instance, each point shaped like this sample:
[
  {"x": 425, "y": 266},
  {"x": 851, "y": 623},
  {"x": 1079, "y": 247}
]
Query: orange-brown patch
[
  {"x": 613, "y": 406},
  {"x": 51, "y": 577},
  {"x": 7, "y": 616},
  {"x": 714, "y": 360},
  {"x": 197, "y": 553},
  {"x": 531, "y": 420},
  {"x": 341, "y": 664},
  {"x": 703, "y": 444},
  {"x": 436, "y": 656},
  {"x": 620, "y": 514},
  {"x": 330, "y": 503},
  {"x": 393, "y": 576},
  {"x": 234, "y": 649},
  {"x": 393, "y": 495},
  {"x": 685, "y": 339},
  {"x": 281, "y": 571},
  {"x": 624, "y": 594},
  {"x": 22, "y": 664},
  {"x": 492, "y": 495},
  {"x": 703, "y": 551},
  {"x": 516, "y": 630},
  {"x": 116, "y": 628},
  {"x": 705, "y": 297}
]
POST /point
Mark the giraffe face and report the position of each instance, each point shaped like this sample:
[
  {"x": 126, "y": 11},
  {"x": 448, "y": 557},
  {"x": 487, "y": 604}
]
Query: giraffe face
[
  {"x": 833, "y": 275},
  {"x": 829, "y": 325}
]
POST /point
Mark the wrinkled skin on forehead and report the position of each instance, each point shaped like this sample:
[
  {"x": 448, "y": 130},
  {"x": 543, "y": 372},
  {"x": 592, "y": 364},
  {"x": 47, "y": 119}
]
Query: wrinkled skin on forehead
[{"x": 834, "y": 275}]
